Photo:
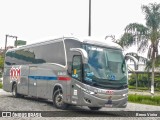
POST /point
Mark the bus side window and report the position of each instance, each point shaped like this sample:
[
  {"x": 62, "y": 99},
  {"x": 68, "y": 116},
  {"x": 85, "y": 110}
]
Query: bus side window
[{"x": 77, "y": 67}]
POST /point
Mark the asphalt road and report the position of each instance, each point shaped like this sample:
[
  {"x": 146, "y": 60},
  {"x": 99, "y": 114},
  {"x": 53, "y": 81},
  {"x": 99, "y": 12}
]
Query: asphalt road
[{"x": 9, "y": 103}]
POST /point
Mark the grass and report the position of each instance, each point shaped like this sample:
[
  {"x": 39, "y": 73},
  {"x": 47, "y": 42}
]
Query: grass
[
  {"x": 0, "y": 84},
  {"x": 139, "y": 88},
  {"x": 142, "y": 99},
  {"x": 143, "y": 88}
]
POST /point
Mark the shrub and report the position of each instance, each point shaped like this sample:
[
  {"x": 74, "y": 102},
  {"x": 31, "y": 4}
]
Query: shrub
[
  {"x": 0, "y": 85},
  {"x": 155, "y": 100}
]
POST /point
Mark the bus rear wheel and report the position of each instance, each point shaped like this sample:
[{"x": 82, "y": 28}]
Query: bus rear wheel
[
  {"x": 94, "y": 108},
  {"x": 58, "y": 100},
  {"x": 14, "y": 91}
]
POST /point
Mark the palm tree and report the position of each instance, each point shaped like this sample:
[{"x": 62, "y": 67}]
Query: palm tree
[
  {"x": 138, "y": 57},
  {"x": 145, "y": 36},
  {"x": 149, "y": 63}
]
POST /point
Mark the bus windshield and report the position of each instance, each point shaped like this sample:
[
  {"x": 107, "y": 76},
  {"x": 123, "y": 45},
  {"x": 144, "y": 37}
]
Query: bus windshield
[{"x": 106, "y": 68}]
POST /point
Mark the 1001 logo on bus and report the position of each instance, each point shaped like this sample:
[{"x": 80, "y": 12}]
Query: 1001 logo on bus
[{"x": 15, "y": 74}]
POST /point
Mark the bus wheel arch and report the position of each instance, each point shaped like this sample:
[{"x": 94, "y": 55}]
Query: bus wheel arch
[
  {"x": 56, "y": 87},
  {"x": 58, "y": 98}
]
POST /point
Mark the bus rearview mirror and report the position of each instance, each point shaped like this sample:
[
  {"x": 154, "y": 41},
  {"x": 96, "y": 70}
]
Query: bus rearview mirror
[{"x": 82, "y": 52}]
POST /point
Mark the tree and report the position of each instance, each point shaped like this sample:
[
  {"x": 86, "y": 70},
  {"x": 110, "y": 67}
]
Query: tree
[
  {"x": 1, "y": 65},
  {"x": 139, "y": 58},
  {"x": 149, "y": 63},
  {"x": 145, "y": 36},
  {"x": 1, "y": 62}
]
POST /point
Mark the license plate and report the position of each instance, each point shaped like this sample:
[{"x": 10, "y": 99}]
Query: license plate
[{"x": 108, "y": 105}]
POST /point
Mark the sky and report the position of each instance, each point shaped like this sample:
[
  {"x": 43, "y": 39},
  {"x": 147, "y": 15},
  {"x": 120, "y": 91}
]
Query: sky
[{"x": 34, "y": 20}]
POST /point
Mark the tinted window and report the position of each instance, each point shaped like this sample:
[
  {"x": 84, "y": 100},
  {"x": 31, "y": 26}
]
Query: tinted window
[
  {"x": 70, "y": 43},
  {"x": 77, "y": 67},
  {"x": 50, "y": 53}
]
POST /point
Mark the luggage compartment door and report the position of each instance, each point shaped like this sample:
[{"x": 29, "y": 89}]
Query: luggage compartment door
[{"x": 32, "y": 85}]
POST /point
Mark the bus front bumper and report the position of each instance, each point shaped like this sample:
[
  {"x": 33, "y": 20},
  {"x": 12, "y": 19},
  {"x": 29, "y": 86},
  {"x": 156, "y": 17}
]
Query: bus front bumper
[{"x": 93, "y": 101}]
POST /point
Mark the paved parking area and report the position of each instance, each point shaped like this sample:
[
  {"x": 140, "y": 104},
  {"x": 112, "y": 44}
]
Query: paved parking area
[{"x": 9, "y": 103}]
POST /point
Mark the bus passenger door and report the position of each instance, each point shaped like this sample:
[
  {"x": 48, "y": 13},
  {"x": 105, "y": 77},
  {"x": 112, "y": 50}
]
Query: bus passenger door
[
  {"x": 32, "y": 86},
  {"x": 76, "y": 80}
]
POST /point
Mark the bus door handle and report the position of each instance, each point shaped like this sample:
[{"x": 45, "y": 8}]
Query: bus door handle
[{"x": 33, "y": 67}]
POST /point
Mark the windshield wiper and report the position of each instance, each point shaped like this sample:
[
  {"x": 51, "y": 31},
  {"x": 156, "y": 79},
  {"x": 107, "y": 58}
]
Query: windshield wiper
[
  {"x": 124, "y": 86},
  {"x": 94, "y": 84}
]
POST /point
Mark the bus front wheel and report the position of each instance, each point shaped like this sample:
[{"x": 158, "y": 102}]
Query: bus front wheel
[{"x": 58, "y": 100}]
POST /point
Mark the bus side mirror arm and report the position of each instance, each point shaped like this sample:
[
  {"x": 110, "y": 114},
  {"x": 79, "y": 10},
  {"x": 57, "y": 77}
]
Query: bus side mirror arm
[
  {"x": 127, "y": 57},
  {"x": 82, "y": 52}
]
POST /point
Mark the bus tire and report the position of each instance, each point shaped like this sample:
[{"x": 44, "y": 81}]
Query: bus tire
[
  {"x": 14, "y": 91},
  {"x": 94, "y": 108},
  {"x": 58, "y": 100}
]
